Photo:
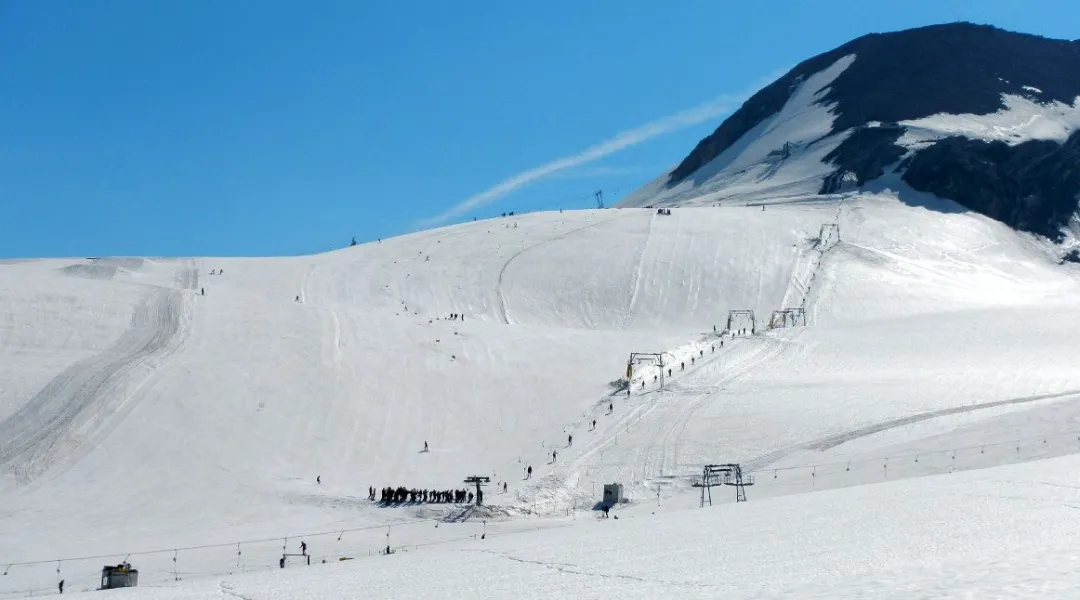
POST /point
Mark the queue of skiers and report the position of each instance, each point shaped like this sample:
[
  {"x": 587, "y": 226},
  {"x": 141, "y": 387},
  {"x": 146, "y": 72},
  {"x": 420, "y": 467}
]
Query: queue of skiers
[{"x": 401, "y": 495}]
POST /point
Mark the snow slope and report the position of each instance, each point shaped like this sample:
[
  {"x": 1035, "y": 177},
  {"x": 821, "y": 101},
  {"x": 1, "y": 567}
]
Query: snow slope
[
  {"x": 782, "y": 157},
  {"x": 138, "y": 415},
  {"x": 1000, "y": 533},
  {"x": 1021, "y": 120}
]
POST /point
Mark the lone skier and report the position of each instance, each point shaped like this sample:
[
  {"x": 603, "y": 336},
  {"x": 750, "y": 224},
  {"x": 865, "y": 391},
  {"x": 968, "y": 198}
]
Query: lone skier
[
  {"x": 425, "y": 446},
  {"x": 570, "y": 441}
]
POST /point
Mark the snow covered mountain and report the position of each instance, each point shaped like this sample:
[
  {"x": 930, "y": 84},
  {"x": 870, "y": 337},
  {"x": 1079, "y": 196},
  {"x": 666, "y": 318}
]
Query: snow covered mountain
[
  {"x": 987, "y": 118},
  {"x": 911, "y": 425}
]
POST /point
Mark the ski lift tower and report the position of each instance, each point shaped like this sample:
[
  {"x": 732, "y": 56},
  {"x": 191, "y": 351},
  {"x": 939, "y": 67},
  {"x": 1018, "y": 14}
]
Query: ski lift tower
[
  {"x": 479, "y": 481},
  {"x": 735, "y": 314},
  {"x": 788, "y": 317},
  {"x": 652, "y": 358},
  {"x": 729, "y": 474}
]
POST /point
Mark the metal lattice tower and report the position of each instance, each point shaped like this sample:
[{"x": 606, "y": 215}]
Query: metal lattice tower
[
  {"x": 829, "y": 235},
  {"x": 788, "y": 317},
  {"x": 727, "y": 474},
  {"x": 734, "y": 314}
]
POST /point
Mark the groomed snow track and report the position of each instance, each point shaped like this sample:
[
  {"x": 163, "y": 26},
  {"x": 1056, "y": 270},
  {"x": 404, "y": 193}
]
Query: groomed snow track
[
  {"x": 832, "y": 441},
  {"x": 87, "y": 397}
]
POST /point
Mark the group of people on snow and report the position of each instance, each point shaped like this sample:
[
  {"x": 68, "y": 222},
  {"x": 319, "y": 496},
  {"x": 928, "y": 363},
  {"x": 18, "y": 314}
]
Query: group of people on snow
[{"x": 401, "y": 495}]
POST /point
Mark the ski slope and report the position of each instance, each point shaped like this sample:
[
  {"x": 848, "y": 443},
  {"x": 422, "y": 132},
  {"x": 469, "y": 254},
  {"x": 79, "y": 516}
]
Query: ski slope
[
  {"x": 141, "y": 415},
  {"x": 998, "y": 533}
]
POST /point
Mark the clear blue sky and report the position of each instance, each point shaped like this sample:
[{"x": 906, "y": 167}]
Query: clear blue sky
[{"x": 229, "y": 127}]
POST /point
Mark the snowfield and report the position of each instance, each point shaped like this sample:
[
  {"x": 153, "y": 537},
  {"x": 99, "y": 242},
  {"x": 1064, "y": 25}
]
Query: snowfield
[
  {"x": 917, "y": 437},
  {"x": 1003, "y": 533},
  {"x": 782, "y": 158}
]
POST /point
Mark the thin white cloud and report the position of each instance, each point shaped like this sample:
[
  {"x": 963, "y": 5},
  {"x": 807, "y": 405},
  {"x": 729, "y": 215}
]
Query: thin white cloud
[
  {"x": 708, "y": 111},
  {"x": 588, "y": 172}
]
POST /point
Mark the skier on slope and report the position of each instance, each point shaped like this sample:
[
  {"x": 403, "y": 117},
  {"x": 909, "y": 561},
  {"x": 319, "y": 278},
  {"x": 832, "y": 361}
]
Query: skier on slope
[
  {"x": 570, "y": 440},
  {"x": 528, "y": 472},
  {"x": 425, "y": 446}
]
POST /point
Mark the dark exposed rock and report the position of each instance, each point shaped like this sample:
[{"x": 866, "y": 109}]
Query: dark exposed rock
[
  {"x": 866, "y": 153},
  {"x": 957, "y": 68},
  {"x": 1033, "y": 186}
]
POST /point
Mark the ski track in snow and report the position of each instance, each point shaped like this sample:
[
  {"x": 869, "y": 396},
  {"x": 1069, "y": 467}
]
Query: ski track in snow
[
  {"x": 629, "y": 314},
  {"x": 97, "y": 391},
  {"x": 500, "y": 297},
  {"x": 832, "y": 441},
  {"x": 666, "y": 415},
  {"x": 768, "y": 352}
]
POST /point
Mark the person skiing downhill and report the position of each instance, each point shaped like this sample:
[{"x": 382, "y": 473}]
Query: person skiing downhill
[
  {"x": 528, "y": 472},
  {"x": 425, "y": 446},
  {"x": 570, "y": 440}
]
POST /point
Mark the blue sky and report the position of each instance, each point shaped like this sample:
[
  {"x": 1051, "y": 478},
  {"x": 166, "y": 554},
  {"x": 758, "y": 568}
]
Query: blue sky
[{"x": 225, "y": 127}]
